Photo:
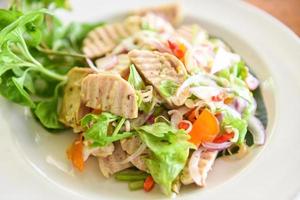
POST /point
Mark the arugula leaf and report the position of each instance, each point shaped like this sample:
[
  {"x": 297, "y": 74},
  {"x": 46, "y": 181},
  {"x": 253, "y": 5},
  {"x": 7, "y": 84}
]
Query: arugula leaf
[
  {"x": 28, "y": 5},
  {"x": 168, "y": 87},
  {"x": 12, "y": 89},
  {"x": 97, "y": 130},
  {"x": 46, "y": 112},
  {"x": 135, "y": 79},
  {"x": 8, "y": 17},
  {"x": 170, "y": 151}
]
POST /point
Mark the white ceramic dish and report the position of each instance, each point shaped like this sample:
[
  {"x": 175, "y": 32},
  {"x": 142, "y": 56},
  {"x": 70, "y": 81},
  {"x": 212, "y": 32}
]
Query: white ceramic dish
[{"x": 34, "y": 165}]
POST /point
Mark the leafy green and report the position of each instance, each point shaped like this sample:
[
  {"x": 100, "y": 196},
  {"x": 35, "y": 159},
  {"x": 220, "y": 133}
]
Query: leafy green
[
  {"x": 238, "y": 70},
  {"x": 158, "y": 129},
  {"x": 12, "y": 89},
  {"x": 27, "y": 5},
  {"x": 36, "y": 52},
  {"x": 46, "y": 112},
  {"x": 168, "y": 87},
  {"x": 17, "y": 66},
  {"x": 65, "y": 38},
  {"x": 135, "y": 79},
  {"x": 8, "y": 17},
  {"x": 234, "y": 78},
  {"x": 97, "y": 129},
  {"x": 237, "y": 123},
  {"x": 170, "y": 151},
  {"x": 137, "y": 82}
]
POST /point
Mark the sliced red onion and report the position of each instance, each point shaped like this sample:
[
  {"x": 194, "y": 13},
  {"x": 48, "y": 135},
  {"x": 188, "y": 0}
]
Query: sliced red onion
[
  {"x": 194, "y": 168},
  {"x": 252, "y": 82},
  {"x": 138, "y": 152},
  {"x": 240, "y": 104},
  {"x": 257, "y": 129},
  {"x": 107, "y": 63},
  {"x": 216, "y": 146}
]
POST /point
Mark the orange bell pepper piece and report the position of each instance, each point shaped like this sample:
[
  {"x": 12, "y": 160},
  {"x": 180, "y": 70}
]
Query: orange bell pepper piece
[
  {"x": 75, "y": 154},
  {"x": 205, "y": 128}
]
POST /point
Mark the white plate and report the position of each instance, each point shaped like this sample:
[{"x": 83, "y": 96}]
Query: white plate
[{"x": 33, "y": 162}]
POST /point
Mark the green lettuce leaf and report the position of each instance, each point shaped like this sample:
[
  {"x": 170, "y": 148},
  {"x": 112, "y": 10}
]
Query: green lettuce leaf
[
  {"x": 168, "y": 88},
  {"x": 137, "y": 82},
  {"x": 238, "y": 70},
  {"x": 238, "y": 124},
  {"x": 170, "y": 151},
  {"x": 234, "y": 78},
  {"x": 135, "y": 79},
  {"x": 158, "y": 129},
  {"x": 97, "y": 129}
]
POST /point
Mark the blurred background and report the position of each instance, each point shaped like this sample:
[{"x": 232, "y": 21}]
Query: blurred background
[{"x": 287, "y": 11}]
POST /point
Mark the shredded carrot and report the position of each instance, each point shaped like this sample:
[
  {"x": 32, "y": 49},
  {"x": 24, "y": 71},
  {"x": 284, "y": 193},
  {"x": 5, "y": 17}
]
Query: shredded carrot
[
  {"x": 149, "y": 184},
  {"x": 75, "y": 154},
  {"x": 205, "y": 128}
]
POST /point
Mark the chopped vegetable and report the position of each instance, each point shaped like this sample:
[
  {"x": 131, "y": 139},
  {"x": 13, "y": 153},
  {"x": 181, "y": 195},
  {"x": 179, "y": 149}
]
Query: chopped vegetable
[
  {"x": 192, "y": 116},
  {"x": 135, "y": 79},
  {"x": 232, "y": 121},
  {"x": 149, "y": 184},
  {"x": 168, "y": 87},
  {"x": 183, "y": 125},
  {"x": 75, "y": 154},
  {"x": 97, "y": 129},
  {"x": 170, "y": 150},
  {"x": 178, "y": 49},
  {"x": 205, "y": 128},
  {"x": 136, "y": 185},
  {"x": 131, "y": 176},
  {"x": 224, "y": 137}
]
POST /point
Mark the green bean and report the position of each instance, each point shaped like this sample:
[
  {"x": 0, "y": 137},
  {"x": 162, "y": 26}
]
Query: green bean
[
  {"x": 131, "y": 177},
  {"x": 136, "y": 185}
]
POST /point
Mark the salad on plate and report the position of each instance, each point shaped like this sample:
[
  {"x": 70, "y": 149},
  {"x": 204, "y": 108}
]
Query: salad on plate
[{"x": 156, "y": 102}]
